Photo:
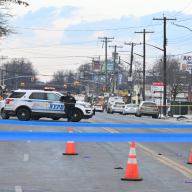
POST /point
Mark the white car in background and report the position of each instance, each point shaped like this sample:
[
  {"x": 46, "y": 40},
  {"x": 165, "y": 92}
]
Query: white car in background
[
  {"x": 98, "y": 107},
  {"x": 148, "y": 108},
  {"x": 117, "y": 107},
  {"x": 111, "y": 101},
  {"x": 130, "y": 109}
]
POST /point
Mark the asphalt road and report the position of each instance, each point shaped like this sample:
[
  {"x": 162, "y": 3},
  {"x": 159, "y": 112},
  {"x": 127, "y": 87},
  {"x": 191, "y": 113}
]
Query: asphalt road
[{"x": 29, "y": 166}]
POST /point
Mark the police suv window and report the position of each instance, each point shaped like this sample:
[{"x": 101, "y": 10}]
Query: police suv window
[
  {"x": 36, "y": 95},
  {"x": 17, "y": 94},
  {"x": 53, "y": 97}
]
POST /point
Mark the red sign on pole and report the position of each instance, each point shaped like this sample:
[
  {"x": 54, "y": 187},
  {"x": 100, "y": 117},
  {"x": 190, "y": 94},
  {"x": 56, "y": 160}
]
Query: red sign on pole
[{"x": 157, "y": 83}]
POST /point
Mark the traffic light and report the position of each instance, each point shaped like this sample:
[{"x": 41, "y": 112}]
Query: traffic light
[
  {"x": 65, "y": 86},
  {"x": 76, "y": 83},
  {"x": 22, "y": 84}
]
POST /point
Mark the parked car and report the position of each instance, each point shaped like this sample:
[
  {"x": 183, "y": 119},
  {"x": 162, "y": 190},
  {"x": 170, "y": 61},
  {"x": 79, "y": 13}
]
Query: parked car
[
  {"x": 130, "y": 109},
  {"x": 117, "y": 107},
  {"x": 148, "y": 108},
  {"x": 111, "y": 101},
  {"x": 98, "y": 108}
]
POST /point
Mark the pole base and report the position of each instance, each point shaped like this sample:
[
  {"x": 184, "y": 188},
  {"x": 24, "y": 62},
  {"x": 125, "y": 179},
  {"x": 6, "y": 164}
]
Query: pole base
[
  {"x": 130, "y": 179},
  {"x": 70, "y": 153}
]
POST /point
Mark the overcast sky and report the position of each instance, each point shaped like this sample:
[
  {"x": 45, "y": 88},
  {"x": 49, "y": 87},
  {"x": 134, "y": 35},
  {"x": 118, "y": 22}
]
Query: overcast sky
[{"x": 62, "y": 34}]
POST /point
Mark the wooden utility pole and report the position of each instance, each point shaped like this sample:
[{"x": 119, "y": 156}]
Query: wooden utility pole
[{"x": 144, "y": 58}]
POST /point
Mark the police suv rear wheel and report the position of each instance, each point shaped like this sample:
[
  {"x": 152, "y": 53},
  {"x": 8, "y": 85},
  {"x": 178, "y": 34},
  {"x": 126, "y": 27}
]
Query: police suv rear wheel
[
  {"x": 23, "y": 114},
  {"x": 4, "y": 115}
]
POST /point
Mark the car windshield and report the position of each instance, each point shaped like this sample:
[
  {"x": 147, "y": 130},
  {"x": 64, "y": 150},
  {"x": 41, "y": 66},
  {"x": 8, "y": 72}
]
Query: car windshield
[
  {"x": 119, "y": 103},
  {"x": 17, "y": 94},
  {"x": 131, "y": 105},
  {"x": 149, "y": 104}
]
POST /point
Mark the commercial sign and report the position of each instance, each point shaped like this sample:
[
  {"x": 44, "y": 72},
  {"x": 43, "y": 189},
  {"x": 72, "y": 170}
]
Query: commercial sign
[
  {"x": 186, "y": 64},
  {"x": 157, "y": 83},
  {"x": 157, "y": 87},
  {"x": 96, "y": 66},
  {"x": 109, "y": 66}
]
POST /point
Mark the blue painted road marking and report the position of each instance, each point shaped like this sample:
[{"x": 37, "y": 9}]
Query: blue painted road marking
[
  {"x": 94, "y": 137},
  {"x": 95, "y": 125}
]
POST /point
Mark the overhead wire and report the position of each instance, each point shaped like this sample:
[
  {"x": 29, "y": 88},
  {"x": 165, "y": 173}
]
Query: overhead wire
[{"x": 83, "y": 30}]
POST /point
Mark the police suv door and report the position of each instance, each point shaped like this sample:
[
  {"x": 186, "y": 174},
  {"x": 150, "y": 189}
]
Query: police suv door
[
  {"x": 54, "y": 104},
  {"x": 38, "y": 102}
]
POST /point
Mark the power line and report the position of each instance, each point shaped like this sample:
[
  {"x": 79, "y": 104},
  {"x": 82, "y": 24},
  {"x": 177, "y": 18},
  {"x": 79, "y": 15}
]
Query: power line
[
  {"x": 61, "y": 57},
  {"x": 186, "y": 7},
  {"x": 85, "y": 30},
  {"x": 54, "y": 45}
]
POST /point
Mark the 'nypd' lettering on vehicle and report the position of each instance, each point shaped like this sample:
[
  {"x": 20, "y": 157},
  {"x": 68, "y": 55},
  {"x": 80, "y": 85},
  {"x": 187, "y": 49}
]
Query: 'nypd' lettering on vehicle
[{"x": 57, "y": 107}]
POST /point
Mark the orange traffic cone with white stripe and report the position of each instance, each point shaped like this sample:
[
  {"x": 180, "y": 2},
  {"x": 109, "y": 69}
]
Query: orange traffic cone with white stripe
[
  {"x": 190, "y": 157},
  {"x": 70, "y": 148},
  {"x": 131, "y": 172}
]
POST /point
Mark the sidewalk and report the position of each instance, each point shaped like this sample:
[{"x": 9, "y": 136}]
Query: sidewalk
[{"x": 183, "y": 118}]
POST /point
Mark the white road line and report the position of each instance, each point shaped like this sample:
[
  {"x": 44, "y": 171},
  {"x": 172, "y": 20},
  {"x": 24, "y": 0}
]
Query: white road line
[
  {"x": 29, "y": 141},
  {"x": 26, "y": 157},
  {"x": 18, "y": 188}
]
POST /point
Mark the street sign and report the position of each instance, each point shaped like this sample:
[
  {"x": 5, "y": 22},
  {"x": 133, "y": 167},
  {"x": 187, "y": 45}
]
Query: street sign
[
  {"x": 130, "y": 79},
  {"x": 156, "y": 89},
  {"x": 96, "y": 66}
]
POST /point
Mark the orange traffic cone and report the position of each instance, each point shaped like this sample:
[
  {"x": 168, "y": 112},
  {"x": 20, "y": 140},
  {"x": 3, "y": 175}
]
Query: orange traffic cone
[
  {"x": 70, "y": 146},
  {"x": 131, "y": 172},
  {"x": 190, "y": 157}
]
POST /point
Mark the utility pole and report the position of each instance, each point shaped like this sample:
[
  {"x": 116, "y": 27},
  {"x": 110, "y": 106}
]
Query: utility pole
[
  {"x": 106, "y": 40},
  {"x": 130, "y": 78},
  {"x": 119, "y": 62},
  {"x": 144, "y": 58},
  {"x": 114, "y": 66},
  {"x": 164, "y": 19},
  {"x": 131, "y": 58}
]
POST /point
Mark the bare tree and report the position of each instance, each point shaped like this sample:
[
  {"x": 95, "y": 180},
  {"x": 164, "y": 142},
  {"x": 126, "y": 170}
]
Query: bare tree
[
  {"x": 5, "y": 15},
  {"x": 19, "y": 72},
  {"x": 175, "y": 80}
]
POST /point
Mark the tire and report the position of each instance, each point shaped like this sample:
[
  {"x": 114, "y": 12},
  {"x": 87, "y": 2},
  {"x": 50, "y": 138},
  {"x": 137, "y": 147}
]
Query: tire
[
  {"x": 77, "y": 115},
  {"x": 56, "y": 118},
  {"x": 23, "y": 114},
  {"x": 138, "y": 115},
  {"x": 4, "y": 115},
  {"x": 155, "y": 116}
]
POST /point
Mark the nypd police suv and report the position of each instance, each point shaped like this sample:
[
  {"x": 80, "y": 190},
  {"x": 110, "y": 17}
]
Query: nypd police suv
[{"x": 34, "y": 104}]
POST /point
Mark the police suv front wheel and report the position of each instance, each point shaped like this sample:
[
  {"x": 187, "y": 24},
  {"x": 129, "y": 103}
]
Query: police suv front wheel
[
  {"x": 77, "y": 115},
  {"x": 23, "y": 114}
]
